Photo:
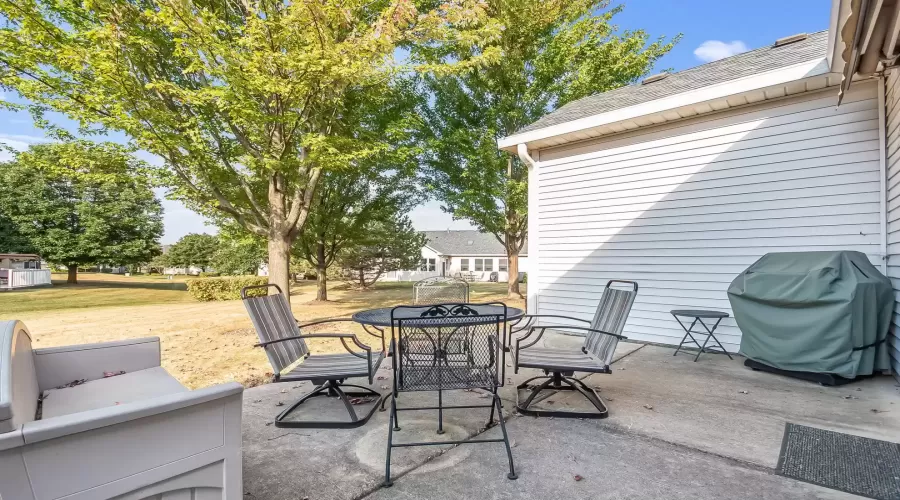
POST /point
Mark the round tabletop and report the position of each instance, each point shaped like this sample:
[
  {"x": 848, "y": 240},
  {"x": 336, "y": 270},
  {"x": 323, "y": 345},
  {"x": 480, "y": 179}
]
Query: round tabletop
[
  {"x": 699, "y": 313},
  {"x": 382, "y": 316}
]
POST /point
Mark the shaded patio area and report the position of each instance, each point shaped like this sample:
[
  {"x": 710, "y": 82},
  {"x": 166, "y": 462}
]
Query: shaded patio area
[{"x": 677, "y": 429}]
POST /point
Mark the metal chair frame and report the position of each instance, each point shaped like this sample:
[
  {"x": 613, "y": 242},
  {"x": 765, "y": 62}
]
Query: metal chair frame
[
  {"x": 440, "y": 283},
  {"x": 436, "y": 318},
  {"x": 330, "y": 384}
]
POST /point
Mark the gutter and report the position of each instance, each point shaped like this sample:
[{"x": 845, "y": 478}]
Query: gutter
[{"x": 534, "y": 262}]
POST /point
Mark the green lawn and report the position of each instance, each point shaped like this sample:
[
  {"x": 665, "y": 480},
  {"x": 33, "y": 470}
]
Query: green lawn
[{"x": 94, "y": 290}]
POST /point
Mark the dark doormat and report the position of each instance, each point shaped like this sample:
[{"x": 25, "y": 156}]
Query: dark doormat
[{"x": 839, "y": 461}]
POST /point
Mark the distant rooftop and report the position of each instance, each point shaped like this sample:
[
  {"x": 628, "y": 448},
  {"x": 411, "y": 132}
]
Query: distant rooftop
[
  {"x": 750, "y": 63},
  {"x": 465, "y": 243}
]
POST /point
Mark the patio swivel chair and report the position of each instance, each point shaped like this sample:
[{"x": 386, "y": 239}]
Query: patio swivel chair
[
  {"x": 559, "y": 365},
  {"x": 422, "y": 362},
  {"x": 281, "y": 337}
]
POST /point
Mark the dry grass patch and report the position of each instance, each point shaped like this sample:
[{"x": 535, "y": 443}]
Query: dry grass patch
[{"x": 203, "y": 343}]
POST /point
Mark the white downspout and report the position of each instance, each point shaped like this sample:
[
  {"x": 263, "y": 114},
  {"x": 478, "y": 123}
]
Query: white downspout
[
  {"x": 882, "y": 160},
  {"x": 534, "y": 260}
]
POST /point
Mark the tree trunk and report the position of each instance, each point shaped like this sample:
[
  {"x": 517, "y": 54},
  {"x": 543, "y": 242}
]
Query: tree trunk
[
  {"x": 321, "y": 278},
  {"x": 512, "y": 287},
  {"x": 73, "y": 274},
  {"x": 280, "y": 263}
]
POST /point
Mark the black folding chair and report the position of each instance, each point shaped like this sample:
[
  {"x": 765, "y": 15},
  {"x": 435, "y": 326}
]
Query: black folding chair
[
  {"x": 423, "y": 362},
  {"x": 279, "y": 334}
]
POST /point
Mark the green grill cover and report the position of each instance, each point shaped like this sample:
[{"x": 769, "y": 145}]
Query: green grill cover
[{"x": 821, "y": 312}]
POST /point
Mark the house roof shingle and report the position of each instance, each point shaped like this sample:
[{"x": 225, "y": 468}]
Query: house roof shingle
[
  {"x": 465, "y": 243},
  {"x": 731, "y": 68}
]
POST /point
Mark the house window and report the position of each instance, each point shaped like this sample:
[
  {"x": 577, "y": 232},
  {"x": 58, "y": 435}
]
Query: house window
[
  {"x": 479, "y": 264},
  {"x": 504, "y": 265},
  {"x": 464, "y": 264},
  {"x": 427, "y": 265},
  {"x": 488, "y": 264}
]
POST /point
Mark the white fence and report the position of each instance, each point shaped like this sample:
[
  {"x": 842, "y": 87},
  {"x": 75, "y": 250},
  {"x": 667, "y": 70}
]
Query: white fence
[{"x": 22, "y": 278}]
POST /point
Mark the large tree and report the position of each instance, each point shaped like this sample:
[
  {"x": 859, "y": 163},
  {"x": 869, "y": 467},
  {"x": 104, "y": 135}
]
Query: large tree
[
  {"x": 82, "y": 203},
  {"x": 193, "y": 250},
  {"x": 346, "y": 209},
  {"x": 240, "y": 99},
  {"x": 552, "y": 52},
  {"x": 391, "y": 245},
  {"x": 372, "y": 190}
]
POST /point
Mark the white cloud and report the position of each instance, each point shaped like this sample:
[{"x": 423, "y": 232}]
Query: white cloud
[
  {"x": 713, "y": 50},
  {"x": 20, "y": 142}
]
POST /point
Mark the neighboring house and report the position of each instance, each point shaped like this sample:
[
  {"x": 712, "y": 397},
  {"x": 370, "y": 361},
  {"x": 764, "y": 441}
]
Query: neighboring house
[
  {"x": 469, "y": 254},
  {"x": 683, "y": 180}
]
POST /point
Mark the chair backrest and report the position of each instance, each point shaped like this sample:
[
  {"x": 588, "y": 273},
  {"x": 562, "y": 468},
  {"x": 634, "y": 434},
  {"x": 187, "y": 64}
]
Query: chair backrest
[
  {"x": 440, "y": 290},
  {"x": 448, "y": 346},
  {"x": 272, "y": 319},
  {"x": 612, "y": 312}
]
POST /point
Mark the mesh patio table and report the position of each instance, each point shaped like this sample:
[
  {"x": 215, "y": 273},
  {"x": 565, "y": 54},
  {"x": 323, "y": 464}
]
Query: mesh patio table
[
  {"x": 381, "y": 317},
  {"x": 699, "y": 315}
]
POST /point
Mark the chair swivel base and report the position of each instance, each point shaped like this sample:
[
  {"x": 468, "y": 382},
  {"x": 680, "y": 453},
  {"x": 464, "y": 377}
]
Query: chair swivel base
[
  {"x": 332, "y": 389},
  {"x": 558, "y": 382}
]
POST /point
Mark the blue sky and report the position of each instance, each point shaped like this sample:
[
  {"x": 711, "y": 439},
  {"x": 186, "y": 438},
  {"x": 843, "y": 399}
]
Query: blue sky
[{"x": 711, "y": 29}]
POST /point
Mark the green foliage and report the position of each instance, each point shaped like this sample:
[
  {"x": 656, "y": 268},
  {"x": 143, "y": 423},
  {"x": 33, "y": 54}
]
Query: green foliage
[
  {"x": 390, "y": 245},
  {"x": 238, "y": 257},
  {"x": 209, "y": 275},
  {"x": 377, "y": 189},
  {"x": 193, "y": 250},
  {"x": 242, "y": 100},
  {"x": 226, "y": 288},
  {"x": 82, "y": 203},
  {"x": 12, "y": 240},
  {"x": 552, "y": 52}
]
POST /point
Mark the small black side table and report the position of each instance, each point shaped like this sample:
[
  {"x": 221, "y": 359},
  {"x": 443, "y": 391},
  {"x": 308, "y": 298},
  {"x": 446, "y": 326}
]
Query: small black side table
[{"x": 699, "y": 315}]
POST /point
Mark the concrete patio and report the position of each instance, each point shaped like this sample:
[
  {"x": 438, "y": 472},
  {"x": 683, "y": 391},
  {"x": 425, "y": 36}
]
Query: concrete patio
[{"x": 677, "y": 429}]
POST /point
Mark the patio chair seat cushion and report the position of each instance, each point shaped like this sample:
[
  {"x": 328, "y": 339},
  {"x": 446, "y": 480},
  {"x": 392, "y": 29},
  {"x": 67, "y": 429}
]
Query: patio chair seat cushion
[
  {"x": 560, "y": 360},
  {"x": 101, "y": 393},
  {"x": 333, "y": 367}
]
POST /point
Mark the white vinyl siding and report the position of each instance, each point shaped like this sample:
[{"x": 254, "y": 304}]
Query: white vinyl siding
[
  {"x": 892, "y": 120},
  {"x": 683, "y": 208}
]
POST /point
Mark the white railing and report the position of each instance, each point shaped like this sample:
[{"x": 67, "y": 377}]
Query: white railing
[{"x": 22, "y": 278}]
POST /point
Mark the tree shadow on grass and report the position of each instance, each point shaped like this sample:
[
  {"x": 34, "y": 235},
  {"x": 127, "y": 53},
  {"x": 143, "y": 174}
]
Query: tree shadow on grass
[{"x": 91, "y": 284}]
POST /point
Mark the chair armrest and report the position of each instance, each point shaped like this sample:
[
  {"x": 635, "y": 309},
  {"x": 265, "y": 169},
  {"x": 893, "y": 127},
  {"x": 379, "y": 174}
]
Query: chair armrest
[
  {"x": 585, "y": 329},
  {"x": 531, "y": 318},
  {"x": 342, "y": 336},
  {"x": 348, "y": 320},
  {"x": 324, "y": 321},
  {"x": 64, "y": 425},
  {"x": 56, "y": 366}
]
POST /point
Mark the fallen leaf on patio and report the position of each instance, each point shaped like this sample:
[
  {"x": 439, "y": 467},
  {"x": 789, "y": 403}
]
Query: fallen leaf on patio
[
  {"x": 361, "y": 401},
  {"x": 597, "y": 388},
  {"x": 257, "y": 400},
  {"x": 483, "y": 395},
  {"x": 268, "y": 424},
  {"x": 280, "y": 403},
  {"x": 578, "y": 478},
  {"x": 622, "y": 368},
  {"x": 284, "y": 391},
  {"x": 649, "y": 407},
  {"x": 550, "y": 401},
  {"x": 610, "y": 399},
  {"x": 380, "y": 377},
  {"x": 113, "y": 374},
  {"x": 72, "y": 384},
  {"x": 850, "y": 396},
  {"x": 859, "y": 389},
  {"x": 384, "y": 387},
  {"x": 744, "y": 392},
  {"x": 513, "y": 443},
  {"x": 876, "y": 410}
]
